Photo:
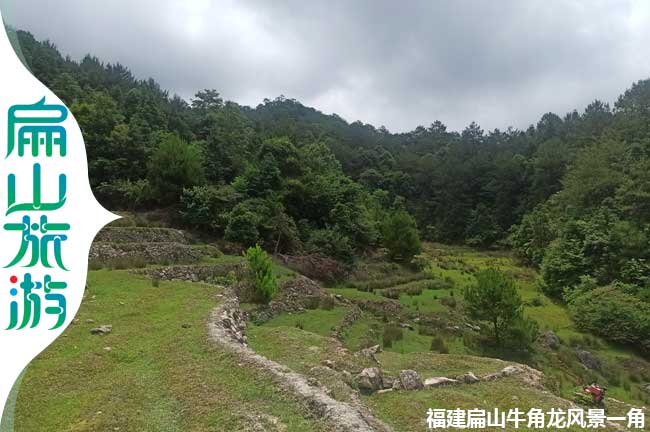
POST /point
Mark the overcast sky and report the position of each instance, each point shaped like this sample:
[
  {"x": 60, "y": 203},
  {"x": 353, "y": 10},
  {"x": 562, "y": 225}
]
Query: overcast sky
[{"x": 395, "y": 63}]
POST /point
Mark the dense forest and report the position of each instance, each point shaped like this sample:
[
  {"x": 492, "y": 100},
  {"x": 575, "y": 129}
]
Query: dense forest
[{"x": 570, "y": 195}]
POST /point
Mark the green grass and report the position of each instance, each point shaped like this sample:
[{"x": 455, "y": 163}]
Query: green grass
[
  {"x": 157, "y": 376},
  {"x": 355, "y": 294},
  {"x": 318, "y": 321},
  {"x": 363, "y": 333},
  {"x": 407, "y": 411}
]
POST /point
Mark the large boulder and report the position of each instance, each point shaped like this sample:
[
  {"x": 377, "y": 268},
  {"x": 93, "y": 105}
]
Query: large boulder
[
  {"x": 410, "y": 380},
  {"x": 390, "y": 382},
  {"x": 369, "y": 380}
]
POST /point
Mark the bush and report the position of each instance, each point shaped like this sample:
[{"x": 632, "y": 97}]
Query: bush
[
  {"x": 391, "y": 334},
  {"x": 332, "y": 243},
  {"x": 438, "y": 345},
  {"x": 242, "y": 228},
  {"x": 327, "y": 303},
  {"x": 206, "y": 207},
  {"x": 613, "y": 314},
  {"x": 449, "y": 302},
  {"x": 124, "y": 194},
  {"x": 260, "y": 267}
]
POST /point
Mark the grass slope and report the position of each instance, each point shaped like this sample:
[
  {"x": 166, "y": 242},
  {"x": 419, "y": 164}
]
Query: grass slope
[{"x": 160, "y": 374}]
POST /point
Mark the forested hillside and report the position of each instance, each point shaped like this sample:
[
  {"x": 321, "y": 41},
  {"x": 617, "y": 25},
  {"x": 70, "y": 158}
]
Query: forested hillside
[{"x": 570, "y": 195}]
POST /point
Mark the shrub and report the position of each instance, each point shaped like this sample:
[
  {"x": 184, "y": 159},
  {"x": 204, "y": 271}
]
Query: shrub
[
  {"x": 331, "y": 242},
  {"x": 260, "y": 267},
  {"x": 327, "y": 303},
  {"x": 613, "y": 314},
  {"x": 449, "y": 302},
  {"x": 124, "y": 194},
  {"x": 206, "y": 207},
  {"x": 392, "y": 334},
  {"x": 438, "y": 345}
]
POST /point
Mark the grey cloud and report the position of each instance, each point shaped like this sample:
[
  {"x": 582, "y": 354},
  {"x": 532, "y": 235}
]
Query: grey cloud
[{"x": 399, "y": 64}]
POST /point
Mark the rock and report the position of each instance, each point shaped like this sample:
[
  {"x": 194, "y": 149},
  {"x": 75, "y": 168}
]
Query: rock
[
  {"x": 339, "y": 297},
  {"x": 90, "y": 321},
  {"x": 369, "y": 380},
  {"x": 410, "y": 380},
  {"x": 589, "y": 360},
  {"x": 550, "y": 339},
  {"x": 329, "y": 363},
  {"x": 102, "y": 330},
  {"x": 473, "y": 327},
  {"x": 505, "y": 372},
  {"x": 510, "y": 370},
  {"x": 406, "y": 326},
  {"x": 468, "y": 378},
  {"x": 389, "y": 381},
  {"x": 370, "y": 353},
  {"x": 387, "y": 390},
  {"x": 439, "y": 382},
  {"x": 646, "y": 388},
  {"x": 108, "y": 349}
]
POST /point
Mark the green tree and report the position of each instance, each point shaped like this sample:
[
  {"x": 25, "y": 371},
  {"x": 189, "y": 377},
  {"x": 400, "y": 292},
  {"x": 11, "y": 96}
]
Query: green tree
[
  {"x": 400, "y": 236},
  {"x": 174, "y": 165},
  {"x": 494, "y": 299},
  {"x": 263, "y": 279}
]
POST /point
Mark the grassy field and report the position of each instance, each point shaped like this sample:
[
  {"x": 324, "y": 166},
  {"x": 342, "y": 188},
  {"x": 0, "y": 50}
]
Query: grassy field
[
  {"x": 456, "y": 266},
  {"x": 156, "y": 371},
  {"x": 405, "y": 411}
]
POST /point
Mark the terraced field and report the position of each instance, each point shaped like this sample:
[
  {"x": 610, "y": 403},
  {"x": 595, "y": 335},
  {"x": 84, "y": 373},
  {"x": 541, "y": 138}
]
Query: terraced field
[{"x": 157, "y": 370}]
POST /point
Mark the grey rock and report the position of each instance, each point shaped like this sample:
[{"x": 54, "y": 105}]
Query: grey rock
[
  {"x": 550, "y": 339},
  {"x": 410, "y": 380},
  {"x": 369, "y": 380},
  {"x": 589, "y": 360},
  {"x": 468, "y": 378},
  {"x": 389, "y": 381},
  {"x": 102, "y": 330},
  {"x": 370, "y": 353},
  {"x": 439, "y": 382}
]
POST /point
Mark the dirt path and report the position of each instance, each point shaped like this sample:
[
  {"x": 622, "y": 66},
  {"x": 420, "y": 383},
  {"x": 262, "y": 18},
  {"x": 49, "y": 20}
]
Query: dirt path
[{"x": 226, "y": 328}]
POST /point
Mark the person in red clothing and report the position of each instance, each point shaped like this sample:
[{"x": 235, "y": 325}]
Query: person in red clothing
[{"x": 597, "y": 392}]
